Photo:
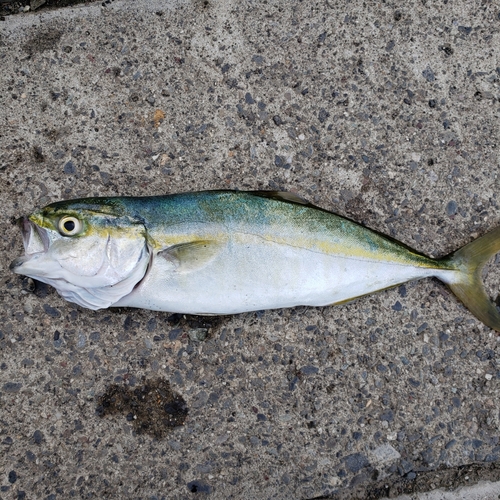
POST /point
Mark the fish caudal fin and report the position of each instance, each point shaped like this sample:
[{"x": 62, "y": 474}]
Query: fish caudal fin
[{"x": 467, "y": 285}]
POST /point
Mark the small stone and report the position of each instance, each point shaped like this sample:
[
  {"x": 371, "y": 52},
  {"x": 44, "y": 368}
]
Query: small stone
[
  {"x": 198, "y": 334},
  {"x": 309, "y": 370},
  {"x": 413, "y": 382},
  {"x": 38, "y": 437},
  {"x": 323, "y": 115},
  {"x": 69, "y": 168},
  {"x": 450, "y": 444},
  {"x": 451, "y": 208},
  {"x": 12, "y": 476},
  {"x": 356, "y": 462},
  {"x": 427, "y": 456},
  {"x": 428, "y": 74},
  {"x": 28, "y": 308},
  {"x": 422, "y": 327},
  {"x": 387, "y": 416},
  {"x": 12, "y": 387},
  {"x": 488, "y": 376},
  {"x": 385, "y": 453},
  {"x": 249, "y": 99},
  {"x": 200, "y": 400},
  {"x": 277, "y": 120},
  {"x": 82, "y": 340},
  {"x": 175, "y": 334},
  {"x": 405, "y": 467}
]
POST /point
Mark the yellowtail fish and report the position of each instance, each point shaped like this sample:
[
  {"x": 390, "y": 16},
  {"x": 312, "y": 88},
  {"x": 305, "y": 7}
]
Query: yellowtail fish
[{"x": 227, "y": 252}]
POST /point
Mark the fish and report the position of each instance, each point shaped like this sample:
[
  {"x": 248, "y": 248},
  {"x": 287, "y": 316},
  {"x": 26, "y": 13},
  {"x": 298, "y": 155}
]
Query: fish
[{"x": 226, "y": 252}]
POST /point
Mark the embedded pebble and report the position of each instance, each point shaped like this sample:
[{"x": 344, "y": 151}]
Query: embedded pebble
[{"x": 451, "y": 208}]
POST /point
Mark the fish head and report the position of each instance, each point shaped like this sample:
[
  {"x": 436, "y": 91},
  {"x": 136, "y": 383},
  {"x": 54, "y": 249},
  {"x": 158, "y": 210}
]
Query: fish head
[{"x": 91, "y": 251}]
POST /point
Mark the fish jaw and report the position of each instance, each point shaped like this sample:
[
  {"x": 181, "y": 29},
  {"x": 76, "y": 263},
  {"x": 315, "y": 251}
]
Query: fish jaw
[
  {"x": 35, "y": 242},
  {"x": 35, "y": 263}
]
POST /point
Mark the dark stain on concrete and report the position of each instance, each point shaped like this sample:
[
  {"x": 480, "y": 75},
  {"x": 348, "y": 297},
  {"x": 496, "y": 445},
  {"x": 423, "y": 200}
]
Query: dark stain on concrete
[
  {"x": 42, "y": 41},
  {"x": 152, "y": 408}
]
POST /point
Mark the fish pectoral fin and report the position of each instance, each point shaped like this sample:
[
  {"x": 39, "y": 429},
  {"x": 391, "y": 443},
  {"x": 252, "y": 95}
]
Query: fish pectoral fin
[{"x": 191, "y": 256}]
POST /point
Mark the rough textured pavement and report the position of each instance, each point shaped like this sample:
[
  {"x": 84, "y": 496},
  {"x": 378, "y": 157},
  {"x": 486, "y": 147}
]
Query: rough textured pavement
[{"x": 384, "y": 112}]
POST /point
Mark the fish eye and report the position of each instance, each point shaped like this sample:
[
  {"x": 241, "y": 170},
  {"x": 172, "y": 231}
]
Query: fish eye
[{"x": 69, "y": 226}]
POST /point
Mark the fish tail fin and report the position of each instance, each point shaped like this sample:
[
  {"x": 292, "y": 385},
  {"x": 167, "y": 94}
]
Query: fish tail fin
[{"x": 467, "y": 284}]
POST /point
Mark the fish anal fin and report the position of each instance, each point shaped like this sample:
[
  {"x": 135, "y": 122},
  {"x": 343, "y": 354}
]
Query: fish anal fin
[
  {"x": 345, "y": 301},
  {"x": 191, "y": 256},
  {"x": 352, "y": 299}
]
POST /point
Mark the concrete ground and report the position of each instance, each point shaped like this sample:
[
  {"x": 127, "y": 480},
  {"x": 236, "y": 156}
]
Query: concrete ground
[{"x": 386, "y": 112}]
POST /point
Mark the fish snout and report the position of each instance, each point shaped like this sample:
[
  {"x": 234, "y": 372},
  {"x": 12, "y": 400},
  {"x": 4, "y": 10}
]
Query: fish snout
[{"x": 16, "y": 263}]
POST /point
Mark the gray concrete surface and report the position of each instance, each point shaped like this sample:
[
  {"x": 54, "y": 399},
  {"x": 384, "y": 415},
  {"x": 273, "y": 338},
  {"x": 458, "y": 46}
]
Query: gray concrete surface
[{"x": 384, "y": 112}]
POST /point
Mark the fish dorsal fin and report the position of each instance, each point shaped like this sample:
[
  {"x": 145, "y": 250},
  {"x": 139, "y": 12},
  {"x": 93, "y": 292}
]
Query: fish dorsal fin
[
  {"x": 282, "y": 196},
  {"x": 191, "y": 256}
]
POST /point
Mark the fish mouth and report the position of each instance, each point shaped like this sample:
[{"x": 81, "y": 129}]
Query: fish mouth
[{"x": 35, "y": 241}]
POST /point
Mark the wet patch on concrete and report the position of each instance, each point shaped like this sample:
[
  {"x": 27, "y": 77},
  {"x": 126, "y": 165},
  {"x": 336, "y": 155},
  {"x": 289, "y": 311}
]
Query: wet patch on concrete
[
  {"x": 152, "y": 408},
  {"x": 43, "y": 41}
]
